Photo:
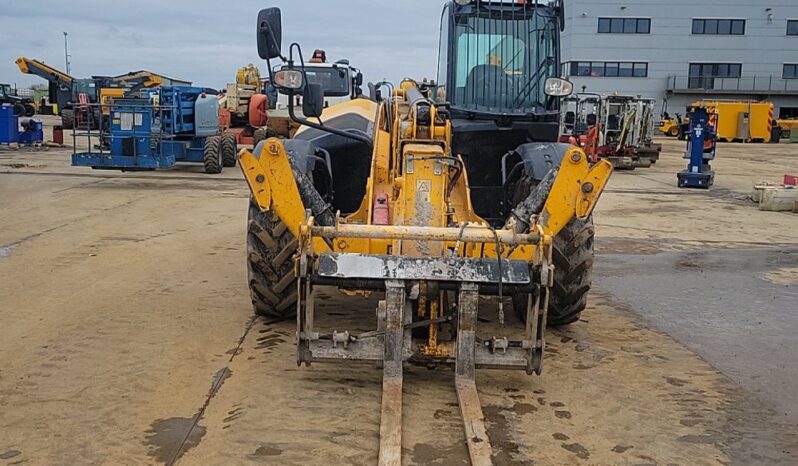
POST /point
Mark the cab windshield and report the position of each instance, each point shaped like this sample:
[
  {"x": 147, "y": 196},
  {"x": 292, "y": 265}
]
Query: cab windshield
[
  {"x": 334, "y": 81},
  {"x": 502, "y": 58}
]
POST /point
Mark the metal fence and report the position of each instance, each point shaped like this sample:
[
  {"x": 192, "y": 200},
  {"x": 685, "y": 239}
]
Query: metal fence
[{"x": 758, "y": 84}]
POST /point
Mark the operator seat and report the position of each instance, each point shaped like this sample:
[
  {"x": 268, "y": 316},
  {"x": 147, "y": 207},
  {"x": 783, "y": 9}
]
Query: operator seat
[{"x": 487, "y": 86}]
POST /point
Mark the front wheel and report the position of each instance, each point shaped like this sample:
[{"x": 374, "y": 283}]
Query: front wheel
[
  {"x": 270, "y": 252},
  {"x": 572, "y": 254}
]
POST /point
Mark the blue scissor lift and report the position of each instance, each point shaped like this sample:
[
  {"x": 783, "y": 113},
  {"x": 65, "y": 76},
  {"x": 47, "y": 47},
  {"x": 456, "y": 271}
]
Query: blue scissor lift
[{"x": 177, "y": 124}]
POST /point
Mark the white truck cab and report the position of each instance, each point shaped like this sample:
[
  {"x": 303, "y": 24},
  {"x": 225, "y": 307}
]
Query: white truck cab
[{"x": 339, "y": 81}]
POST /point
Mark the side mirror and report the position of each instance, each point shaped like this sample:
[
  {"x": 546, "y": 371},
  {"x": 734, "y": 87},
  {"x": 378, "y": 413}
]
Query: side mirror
[
  {"x": 313, "y": 100},
  {"x": 270, "y": 33},
  {"x": 359, "y": 79},
  {"x": 374, "y": 93}
]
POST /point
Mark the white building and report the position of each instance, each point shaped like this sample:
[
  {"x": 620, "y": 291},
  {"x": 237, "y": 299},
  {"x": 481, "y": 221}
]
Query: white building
[{"x": 681, "y": 51}]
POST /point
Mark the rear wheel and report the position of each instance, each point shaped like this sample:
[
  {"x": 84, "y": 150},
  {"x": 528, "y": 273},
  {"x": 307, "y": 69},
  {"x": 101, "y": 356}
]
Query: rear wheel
[
  {"x": 67, "y": 119},
  {"x": 229, "y": 146},
  {"x": 270, "y": 252},
  {"x": 29, "y": 110},
  {"x": 19, "y": 110},
  {"x": 673, "y": 131},
  {"x": 212, "y": 155},
  {"x": 572, "y": 254}
]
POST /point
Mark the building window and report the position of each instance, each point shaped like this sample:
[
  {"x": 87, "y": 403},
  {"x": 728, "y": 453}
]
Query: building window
[
  {"x": 788, "y": 113},
  {"x": 702, "y": 75},
  {"x": 790, "y": 71},
  {"x": 608, "y": 69},
  {"x": 624, "y": 25},
  {"x": 792, "y": 27},
  {"x": 722, "y": 27}
]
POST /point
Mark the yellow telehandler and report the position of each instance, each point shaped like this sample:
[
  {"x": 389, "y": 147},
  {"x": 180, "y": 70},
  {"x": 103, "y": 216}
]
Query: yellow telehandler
[{"x": 435, "y": 195}]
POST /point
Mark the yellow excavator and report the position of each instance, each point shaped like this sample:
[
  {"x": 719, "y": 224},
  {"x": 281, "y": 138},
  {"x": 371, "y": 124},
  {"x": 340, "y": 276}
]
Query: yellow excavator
[{"x": 433, "y": 196}]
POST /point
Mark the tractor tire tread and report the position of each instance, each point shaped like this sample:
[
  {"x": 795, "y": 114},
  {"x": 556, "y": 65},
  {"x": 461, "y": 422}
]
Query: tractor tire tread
[
  {"x": 572, "y": 255},
  {"x": 271, "y": 248},
  {"x": 211, "y": 155},
  {"x": 67, "y": 119},
  {"x": 229, "y": 148}
]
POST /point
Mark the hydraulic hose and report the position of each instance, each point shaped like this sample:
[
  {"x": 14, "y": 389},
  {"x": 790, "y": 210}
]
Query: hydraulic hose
[{"x": 532, "y": 205}]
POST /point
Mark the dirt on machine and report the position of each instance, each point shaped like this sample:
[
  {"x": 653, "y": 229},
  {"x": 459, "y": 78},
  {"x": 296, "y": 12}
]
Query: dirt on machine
[{"x": 435, "y": 195}]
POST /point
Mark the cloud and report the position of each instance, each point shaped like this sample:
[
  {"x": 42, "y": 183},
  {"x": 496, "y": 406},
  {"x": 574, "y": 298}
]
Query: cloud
[{"x": 205, "y": 41}]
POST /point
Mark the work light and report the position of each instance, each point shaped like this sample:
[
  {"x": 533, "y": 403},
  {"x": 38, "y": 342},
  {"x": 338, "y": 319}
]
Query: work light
[{"x": 289, "y": 79}]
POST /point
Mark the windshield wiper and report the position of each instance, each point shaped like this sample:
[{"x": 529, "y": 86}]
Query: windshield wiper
[{"x": 532, "y": 84}]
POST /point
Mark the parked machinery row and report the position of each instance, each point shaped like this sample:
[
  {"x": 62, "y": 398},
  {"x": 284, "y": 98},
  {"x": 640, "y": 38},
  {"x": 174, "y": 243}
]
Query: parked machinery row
[
  {"x": 618, "y": 128},
  {"x": 71, "y": 94},
  {"x": 174, "y": 124}
]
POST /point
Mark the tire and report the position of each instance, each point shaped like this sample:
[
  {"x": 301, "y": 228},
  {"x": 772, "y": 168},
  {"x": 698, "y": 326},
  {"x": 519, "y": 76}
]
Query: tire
[
  {"x": 212, "y": 155},
  {"x": 572, "y": 254},
  {"x": 673, "y": 132},
  {"x": 229, "y": 148},
  {"x": 19, "y": 109},
  {"x": 29, "y": 110},
  {"x": 270, "y": 265},
  {"x": 67, "y": 119}
]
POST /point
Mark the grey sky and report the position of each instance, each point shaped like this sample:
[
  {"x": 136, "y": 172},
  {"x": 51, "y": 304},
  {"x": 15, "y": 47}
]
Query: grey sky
[{"x": 205, "y": 41}]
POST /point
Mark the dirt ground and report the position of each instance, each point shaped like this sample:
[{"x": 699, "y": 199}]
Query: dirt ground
[{"x": 126, "y": 334}]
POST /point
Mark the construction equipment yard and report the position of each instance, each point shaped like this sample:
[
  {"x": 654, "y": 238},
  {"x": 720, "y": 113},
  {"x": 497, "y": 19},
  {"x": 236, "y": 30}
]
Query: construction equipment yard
[
  {"x": 128, "y": 335},
  {"x": 471, "y": 241}
]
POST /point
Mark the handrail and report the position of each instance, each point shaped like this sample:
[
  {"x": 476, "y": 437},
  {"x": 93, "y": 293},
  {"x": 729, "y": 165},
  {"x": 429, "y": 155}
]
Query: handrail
[{"x": 752, "y": 83}]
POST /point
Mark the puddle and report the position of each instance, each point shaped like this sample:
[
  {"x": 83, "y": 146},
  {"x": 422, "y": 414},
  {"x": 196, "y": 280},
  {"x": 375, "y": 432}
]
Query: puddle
[
  {"x": 169, "y": 439},
  {"x": 167, "y": 436}
]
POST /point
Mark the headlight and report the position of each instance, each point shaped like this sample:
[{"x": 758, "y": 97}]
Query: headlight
[
  {"x": 289, "y": 79},
  {"x": 463, "y": 2},
  {"x": 558, "y": 87}
]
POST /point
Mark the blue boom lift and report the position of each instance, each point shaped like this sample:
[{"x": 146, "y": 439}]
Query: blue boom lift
[
  {"x": 177, "y": 124},
  {"x": 702, "y": 144}
]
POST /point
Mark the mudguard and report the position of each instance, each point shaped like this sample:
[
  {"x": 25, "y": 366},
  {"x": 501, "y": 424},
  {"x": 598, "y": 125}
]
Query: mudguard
[{"x": 540, "y": 157}]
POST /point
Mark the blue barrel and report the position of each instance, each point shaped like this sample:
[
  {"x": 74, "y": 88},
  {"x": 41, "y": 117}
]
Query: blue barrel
[{"x": 9, "y": 124}]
